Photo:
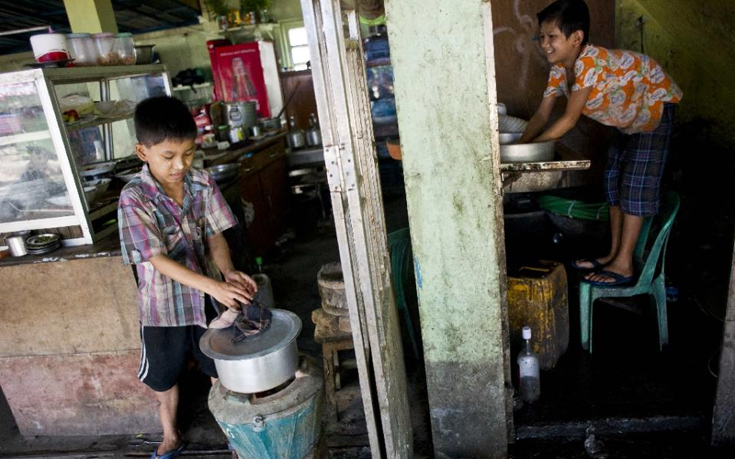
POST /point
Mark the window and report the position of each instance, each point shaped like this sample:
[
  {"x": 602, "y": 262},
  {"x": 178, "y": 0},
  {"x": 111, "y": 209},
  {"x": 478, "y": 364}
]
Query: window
[{"x": 298, "y": 47}]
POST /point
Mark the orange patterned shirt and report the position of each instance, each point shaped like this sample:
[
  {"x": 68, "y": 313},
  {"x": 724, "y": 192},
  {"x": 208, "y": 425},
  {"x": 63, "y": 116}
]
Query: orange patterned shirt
[{"x": 628, "y": 88}]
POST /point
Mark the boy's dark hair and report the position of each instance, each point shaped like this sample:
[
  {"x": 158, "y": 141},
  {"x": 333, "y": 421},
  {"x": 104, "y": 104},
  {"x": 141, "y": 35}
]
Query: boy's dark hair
[
  {"x": 569, "y": 16},
  {"x": 158, "y": 119}
]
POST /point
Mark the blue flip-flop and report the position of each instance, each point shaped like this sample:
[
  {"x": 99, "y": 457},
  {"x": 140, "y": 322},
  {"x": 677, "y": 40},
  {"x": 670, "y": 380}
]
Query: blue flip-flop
[
  {"x": 173, "y": 454},
  {"x": 595, "y": 264},
  {"x": 619, "y": 279}
]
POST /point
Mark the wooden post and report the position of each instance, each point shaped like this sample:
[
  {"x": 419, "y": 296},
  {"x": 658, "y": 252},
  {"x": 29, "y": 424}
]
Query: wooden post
[
  {"x": 443, "y": 62},
  {"x": 338, "y": 68}
]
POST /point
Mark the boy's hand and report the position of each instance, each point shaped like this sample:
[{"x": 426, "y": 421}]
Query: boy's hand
[
  {"x": 242, "y": 280},
  {"x": 230, "y": 294}
]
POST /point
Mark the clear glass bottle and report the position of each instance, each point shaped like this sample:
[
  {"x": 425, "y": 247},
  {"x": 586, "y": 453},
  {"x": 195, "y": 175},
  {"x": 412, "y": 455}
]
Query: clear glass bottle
[{"x": 528, "y": 366}]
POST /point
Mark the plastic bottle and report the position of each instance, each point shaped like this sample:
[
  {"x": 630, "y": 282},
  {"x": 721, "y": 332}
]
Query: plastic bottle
[
  {"x": 265, "y": 289},
  {"x": 530, "y": 377}
]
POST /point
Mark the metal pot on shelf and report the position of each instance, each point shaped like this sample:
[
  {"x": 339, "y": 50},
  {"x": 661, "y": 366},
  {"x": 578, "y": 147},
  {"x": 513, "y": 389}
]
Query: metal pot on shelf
[
  {"x": 295, "y": 138},
  {"x": 241, "y": 114},
  {"x": 313, "y": 134}
]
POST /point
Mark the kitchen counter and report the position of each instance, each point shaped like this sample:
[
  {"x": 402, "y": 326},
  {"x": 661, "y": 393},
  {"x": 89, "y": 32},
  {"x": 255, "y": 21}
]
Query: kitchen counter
[
  {"x": 213, "y": 157},
  {"x": 106, "y": 247}
]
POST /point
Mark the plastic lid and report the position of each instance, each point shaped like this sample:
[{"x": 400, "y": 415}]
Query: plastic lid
[
  {"x": 103, "y": 35},
  {"x": 78, "y": 35},
  {"x": 125, "y": 35},
  {"x": 258, "y": 261},
  {"x": 526, "y": 332}
]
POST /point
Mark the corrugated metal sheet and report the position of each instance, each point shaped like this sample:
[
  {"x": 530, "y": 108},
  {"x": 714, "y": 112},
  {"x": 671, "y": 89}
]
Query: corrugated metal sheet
[{"x": 134, "y": 16}]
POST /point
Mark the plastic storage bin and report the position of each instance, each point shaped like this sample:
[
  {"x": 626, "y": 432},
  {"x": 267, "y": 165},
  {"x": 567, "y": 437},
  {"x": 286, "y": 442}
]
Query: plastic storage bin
[
  {"x": 125, "y": 49},
  {"x": 537, "y": 297},
  {"x": 105, "y": 43},
  {"x": 82, "y": 48}
]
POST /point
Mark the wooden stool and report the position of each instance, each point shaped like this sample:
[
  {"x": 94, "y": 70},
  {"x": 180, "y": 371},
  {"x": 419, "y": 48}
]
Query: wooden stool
[{"x": 332, "y": 340}]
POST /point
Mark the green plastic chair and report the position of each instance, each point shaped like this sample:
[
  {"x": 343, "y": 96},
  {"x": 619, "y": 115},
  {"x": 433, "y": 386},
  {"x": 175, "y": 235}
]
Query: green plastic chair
[
  {"x": 651, "y": 281},
  {"x": 401, "y": 256}
]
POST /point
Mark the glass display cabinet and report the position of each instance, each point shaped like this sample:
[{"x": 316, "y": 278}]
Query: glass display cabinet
[{"x": 67, "y": 146}]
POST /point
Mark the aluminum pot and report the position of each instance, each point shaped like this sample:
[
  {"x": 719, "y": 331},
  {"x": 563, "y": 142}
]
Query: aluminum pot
[
  {"x": 271, "y": 124},
  {"x": 296, "y": 139},
  {"x": 260, "y": 362},
  {"x": 313, "y": 137}
]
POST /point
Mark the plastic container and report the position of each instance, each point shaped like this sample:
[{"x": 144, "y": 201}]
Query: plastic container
[
  {"x": 222, "y": 133},
  {"x": 537, "y": 297},
  {"x": 49, "y": 47},
  {"x": 125, "y": 48},
  {"x": 106, "y": 54},
  {"x": 82, "y": 49}
]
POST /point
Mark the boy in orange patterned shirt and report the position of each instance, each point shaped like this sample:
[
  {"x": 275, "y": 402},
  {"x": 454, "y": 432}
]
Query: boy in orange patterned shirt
[{"x": 624, "y": 89}]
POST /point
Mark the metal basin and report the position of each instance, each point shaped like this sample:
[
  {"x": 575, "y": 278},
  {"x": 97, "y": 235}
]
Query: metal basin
[
  {"x": 509, "y": 137},
  {"x": 527, "y": 152},
  {"x": 223, "y": 172}
]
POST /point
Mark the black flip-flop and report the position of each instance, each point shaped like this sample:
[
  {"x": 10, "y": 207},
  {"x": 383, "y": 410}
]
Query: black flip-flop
[
  {"x": 595, "y": 264},
  {"x": 619, "y": 279}
]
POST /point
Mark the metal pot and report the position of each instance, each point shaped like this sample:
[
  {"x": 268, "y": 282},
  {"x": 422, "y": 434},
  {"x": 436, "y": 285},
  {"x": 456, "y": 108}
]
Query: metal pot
[
  {"x": 527, "y": 152},
  {"x": 313, "y": 137},
  {"x": 296, "y": 139},
  {"x": 271, "y": 124},
  {"x": 223, "y": 172},
  {"x": 144, "y": 54},
  {"x": 259, "y": 362},
  {"x": 241, "y": 114}
]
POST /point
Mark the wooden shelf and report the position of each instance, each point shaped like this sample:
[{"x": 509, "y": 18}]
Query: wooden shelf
[{"x": 100, "y": 120}]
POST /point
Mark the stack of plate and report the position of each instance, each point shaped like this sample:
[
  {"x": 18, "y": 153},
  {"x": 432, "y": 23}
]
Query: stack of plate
[{"x": 43, "y": 243}]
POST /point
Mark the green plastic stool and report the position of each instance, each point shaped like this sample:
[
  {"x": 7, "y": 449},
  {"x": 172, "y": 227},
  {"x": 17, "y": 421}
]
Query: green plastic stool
[
  {"x": 399, "y": 245},
  {"x": 651, "y": 281}
]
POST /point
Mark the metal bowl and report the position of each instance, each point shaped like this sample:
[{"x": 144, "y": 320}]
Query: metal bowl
[
  {"x": 527, "y": 152},
  {"x": 509, "y": 137},
  {"x": 223, "y": 172}
]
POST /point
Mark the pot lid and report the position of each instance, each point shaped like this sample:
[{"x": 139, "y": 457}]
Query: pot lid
[{"x": 285, "y": 327}]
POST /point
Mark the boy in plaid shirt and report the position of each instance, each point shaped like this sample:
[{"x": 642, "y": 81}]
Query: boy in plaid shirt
[{"x": 171, "y": 219}]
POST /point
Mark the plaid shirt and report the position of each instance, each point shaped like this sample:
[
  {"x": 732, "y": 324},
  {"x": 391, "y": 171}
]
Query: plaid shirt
[{"x": 151, "y": 223}]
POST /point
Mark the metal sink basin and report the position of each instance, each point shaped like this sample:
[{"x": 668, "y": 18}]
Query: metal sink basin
[{"x": 306, "y": 157}]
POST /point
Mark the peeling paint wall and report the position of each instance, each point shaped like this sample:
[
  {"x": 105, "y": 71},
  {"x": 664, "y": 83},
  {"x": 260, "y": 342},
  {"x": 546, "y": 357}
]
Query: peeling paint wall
[{"x": 445, "y": 96}]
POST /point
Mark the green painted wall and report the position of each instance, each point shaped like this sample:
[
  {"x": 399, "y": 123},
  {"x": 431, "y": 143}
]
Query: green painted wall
[{"x": 693, "y": 40}]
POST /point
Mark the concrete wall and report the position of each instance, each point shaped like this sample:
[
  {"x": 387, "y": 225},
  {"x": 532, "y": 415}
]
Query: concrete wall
[
  {"x": 693, "y": 42},
  {"x": 70, "y": 349},
  {"x": 444, "y": 71}
]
